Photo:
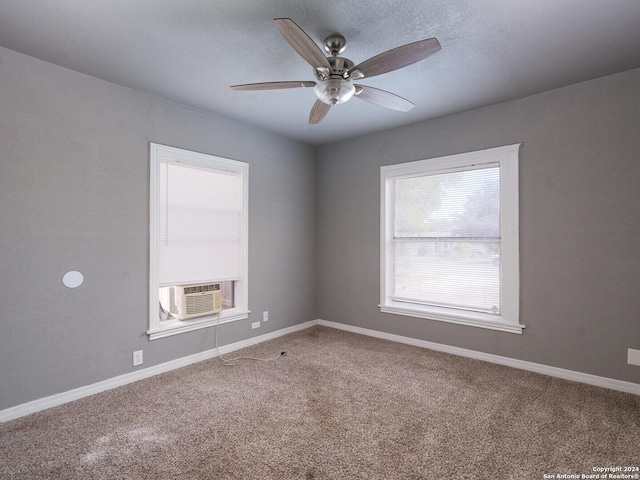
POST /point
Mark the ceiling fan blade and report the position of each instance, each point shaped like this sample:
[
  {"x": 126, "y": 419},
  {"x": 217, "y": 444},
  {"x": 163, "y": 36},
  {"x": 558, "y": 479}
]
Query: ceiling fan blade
[
  {"x": 383, "y": 98},
  {"x": 318, "y": 112},
  {"x": 397, "y": 58},
  {"x": 302, "y": 43},
  {"x": 272, "y": 85}
]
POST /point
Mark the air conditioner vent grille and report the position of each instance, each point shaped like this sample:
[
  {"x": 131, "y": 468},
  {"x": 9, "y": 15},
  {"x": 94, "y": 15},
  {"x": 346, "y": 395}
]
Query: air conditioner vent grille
[
  {"x": 199, "y": 304},
  {"x": 211, "y": 287}
]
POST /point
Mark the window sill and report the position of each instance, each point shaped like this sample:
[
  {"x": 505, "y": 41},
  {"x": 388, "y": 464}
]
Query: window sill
[
  {"x": 470, "y": 319},
  {"x": 168, "y": 328}
]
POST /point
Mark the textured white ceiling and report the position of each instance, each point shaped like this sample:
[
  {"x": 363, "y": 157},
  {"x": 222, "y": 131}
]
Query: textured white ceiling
[{"x": 191, "y": 51}]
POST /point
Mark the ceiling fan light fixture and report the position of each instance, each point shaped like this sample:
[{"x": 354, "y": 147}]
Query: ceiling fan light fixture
[{"x": 334, "y": 91}]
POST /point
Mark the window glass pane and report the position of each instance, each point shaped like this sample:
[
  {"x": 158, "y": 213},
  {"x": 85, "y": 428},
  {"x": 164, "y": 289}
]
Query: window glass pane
[
  {"x": 459, "y": 204},
  {"x": 228, "y": 295},
  {"x": 446, "y": 239}
]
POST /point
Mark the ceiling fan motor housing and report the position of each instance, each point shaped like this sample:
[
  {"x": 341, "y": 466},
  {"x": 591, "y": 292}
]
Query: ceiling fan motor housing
[
  {"x": 334, "y": 87},
  {"x": 339, "y": 68}
]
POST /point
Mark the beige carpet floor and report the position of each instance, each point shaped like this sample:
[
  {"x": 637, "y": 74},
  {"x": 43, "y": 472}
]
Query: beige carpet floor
[{"x": 338, "y": 406}]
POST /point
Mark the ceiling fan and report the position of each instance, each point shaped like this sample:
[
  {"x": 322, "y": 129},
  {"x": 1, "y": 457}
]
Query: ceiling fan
[{"x": 335, "y": 73}]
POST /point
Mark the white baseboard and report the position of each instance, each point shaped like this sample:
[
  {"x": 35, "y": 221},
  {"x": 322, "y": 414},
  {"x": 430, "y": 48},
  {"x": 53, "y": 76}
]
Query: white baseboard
[
  {"x": 81, "y": 392},
  {"x": 75, "y": 394},
  {"x": 610, "y": 383}
]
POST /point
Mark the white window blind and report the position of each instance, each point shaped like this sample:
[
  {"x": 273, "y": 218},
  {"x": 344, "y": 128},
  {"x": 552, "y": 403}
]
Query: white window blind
[
  {"x": 446, "y": 239},
  {"x": 200, "y": 215}
]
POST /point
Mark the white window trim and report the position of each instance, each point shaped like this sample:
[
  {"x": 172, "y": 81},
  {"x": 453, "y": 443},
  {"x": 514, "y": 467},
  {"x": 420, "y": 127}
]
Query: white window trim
[
  {"x": 508, "y": 320},
  {"x": 161, "y": 329}
]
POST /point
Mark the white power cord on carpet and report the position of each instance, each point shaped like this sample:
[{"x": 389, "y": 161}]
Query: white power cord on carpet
[{"x": 232, "y": 361}]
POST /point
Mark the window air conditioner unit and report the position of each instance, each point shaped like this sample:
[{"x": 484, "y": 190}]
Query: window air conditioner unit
[{"x": 188, "y": 301}]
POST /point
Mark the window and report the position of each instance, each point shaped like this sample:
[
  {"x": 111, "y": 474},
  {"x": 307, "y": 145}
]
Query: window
[
  {"x": 198, "y": 240},
  {"x": 449, "y": 239}
]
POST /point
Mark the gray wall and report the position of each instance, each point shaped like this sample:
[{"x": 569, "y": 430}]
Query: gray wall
[
  {"x": 579, "y": 224},
  {"x": 74, "y": 195}
]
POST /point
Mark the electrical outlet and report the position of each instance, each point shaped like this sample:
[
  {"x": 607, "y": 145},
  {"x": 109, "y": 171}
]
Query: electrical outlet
[
  {"x": 265, "y": 316},
  {"x": 255, "y": 325},
  {"x": 137, "y": 358},
  {"x": 633, "y": 357}
]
